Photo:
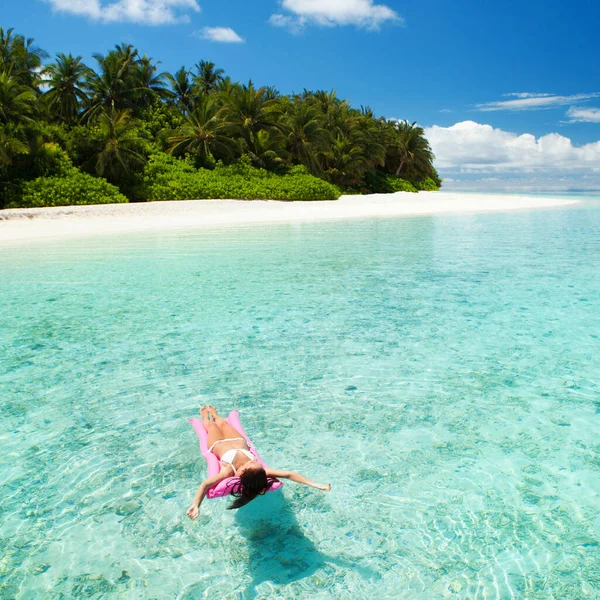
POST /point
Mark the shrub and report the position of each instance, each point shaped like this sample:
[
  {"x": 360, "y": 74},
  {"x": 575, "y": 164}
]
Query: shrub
[
  {"x": 427, "y": 185},
  {"x": 43, "y": 159},
  {"x": 172, "y": 179},
  {"x": 298, "y": 170},
  {"x": 298, "y": 187},
  {"x": 73, "y": 189},
  {"x": 161, "y": 164},
  {"x": 51, "y": 161},
  {"x": 81, "y": 143},
  {"x": 242, "y": 167},
  {"x": 380, "y": 183},
  {"x": 401, "y": 185}
]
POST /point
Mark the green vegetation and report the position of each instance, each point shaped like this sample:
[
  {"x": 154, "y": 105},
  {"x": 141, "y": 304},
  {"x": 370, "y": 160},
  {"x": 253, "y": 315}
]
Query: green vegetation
[
  {"x": 167, "y": 178},
  {"x": 74, "y": 188},
  {"x": 70, "y": 134}
]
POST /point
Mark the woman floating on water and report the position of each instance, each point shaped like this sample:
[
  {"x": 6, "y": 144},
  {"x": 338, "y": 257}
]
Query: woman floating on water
[{"x": 230, "y": 447}]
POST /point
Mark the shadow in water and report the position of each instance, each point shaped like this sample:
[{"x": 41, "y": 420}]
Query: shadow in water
[{"x": 279, "y": 550}]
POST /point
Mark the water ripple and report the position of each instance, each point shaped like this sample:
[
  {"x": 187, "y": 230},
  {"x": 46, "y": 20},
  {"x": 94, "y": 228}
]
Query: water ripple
[{"x": 439, "y": 371}]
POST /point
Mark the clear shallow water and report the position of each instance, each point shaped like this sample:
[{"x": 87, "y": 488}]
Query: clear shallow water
[{"x": 441, "y": 372}]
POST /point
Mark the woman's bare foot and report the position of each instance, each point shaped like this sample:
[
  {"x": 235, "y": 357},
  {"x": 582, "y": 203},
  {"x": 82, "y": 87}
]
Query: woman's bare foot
[
  {"x": 213, "y": 412},
  {"x": 204, "y": 415}
]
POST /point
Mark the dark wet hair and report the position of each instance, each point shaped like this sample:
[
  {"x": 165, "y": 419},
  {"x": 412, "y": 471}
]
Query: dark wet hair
[{"x": 250, "y": 484}]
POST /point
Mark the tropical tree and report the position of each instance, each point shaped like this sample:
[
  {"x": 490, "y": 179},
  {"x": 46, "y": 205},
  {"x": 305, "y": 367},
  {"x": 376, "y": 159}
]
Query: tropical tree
[
  {"x": 352, "y": 145},
  {"x": 150, "y": 83},
  {"x": 21, "y": 57},
  {"x": 304, "y": 132},
  {"x": 269, "y": 150},
  {"x": 340, "y": 118},
  {"x": 10, "y": 147},
  {"x": 410, "y": 153},
  {"x": 182, "y": 89},
  {"x": 66, "y": 94},
  {"x": 226, "y": 86},
  {"x": 373, "y": 134},
  {"x": 17, "y": 101},
  {"x": 208, "y": 77},
  {"x": 248, "y": 111},
  {"x": 204, "y": 134},
  {"x": 346, "y": 161},
  {"x": 115, "y": 85},
  {"x": 119, "y": 151},
  {"x": 271, "y": 92},
  {"x": 325, "y": 100},
  {"x": 126, "y": 54}
]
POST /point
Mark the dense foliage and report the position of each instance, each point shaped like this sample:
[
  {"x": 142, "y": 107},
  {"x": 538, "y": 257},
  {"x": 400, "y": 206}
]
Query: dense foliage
[
  {"x": 70, "y": 134},
  {"x": 73, "y": 188},
  {"x": 166, "y": 178}
]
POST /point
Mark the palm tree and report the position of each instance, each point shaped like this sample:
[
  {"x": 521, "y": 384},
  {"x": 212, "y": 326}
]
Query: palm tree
[
  {"x": 204, "y": 133},
  {"x": 225, "y": 87},
  {"x": 367, "y": 111},
  {"x": 126, "y": 54},
  {"x": 305, "y": 135},
  {"x": 208, "y": 77},
  {"x": 346, "y": 161},
  {"x": 150, "y": 83},
  {"x": 326, "y": 101},
  {"x": 248, "y": 111},
  {"x": 269, "y": 150},
  {"x": 352, "y": 147},
  {"x": 119, "y": 150},
  {"x": 66, "y": 95},
  {"x": 17, "y": 101},
  {"x": 410, "y": 153},
  {"x": 182, "y": 88},
  {"x": 115, "y": 86},
  {"x": 374, "y": 137},
  {"x": 271, "y": 92},
  {"x": 10, "y": 147},
  {"x": 341, "y": 119},
  {"x": 21, "y": 57}
]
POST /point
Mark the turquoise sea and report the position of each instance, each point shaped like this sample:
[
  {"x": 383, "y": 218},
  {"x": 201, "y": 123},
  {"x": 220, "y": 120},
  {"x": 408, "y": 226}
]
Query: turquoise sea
[{"x": 441, "y": 372}]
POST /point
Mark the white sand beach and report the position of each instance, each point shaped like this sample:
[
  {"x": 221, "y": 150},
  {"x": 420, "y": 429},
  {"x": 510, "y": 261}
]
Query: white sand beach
[{"x": 37, "y": 223}]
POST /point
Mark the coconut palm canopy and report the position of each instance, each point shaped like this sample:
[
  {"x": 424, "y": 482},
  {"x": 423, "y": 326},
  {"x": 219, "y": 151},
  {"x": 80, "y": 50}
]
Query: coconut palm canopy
[{"x": 109, "y": 118}]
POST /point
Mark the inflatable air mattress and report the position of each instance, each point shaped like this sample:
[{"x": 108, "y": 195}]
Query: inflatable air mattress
[{"x": 223, "y": 488}]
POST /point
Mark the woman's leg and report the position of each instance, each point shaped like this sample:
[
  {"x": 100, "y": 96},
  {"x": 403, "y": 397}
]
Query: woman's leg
[
  {"x": 214, "y": 432},
  {"x": 226, "y": 429}
]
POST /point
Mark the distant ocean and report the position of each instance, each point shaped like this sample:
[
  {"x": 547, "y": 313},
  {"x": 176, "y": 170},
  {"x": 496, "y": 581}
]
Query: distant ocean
[{"x": 441, "y": 372}]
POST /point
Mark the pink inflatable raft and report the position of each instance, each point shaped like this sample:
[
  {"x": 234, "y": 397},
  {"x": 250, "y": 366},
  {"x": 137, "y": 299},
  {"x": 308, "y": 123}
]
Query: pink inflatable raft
[{"x": 223, "y": 488}]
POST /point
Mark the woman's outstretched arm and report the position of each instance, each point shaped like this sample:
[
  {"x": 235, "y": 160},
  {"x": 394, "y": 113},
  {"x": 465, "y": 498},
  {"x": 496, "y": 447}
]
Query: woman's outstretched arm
[
  {"x": 194, "y": 509},
  {"x": 293, "y": 476}
]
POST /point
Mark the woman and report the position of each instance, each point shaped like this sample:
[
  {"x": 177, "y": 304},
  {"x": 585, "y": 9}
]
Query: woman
[{"x": 230, "y": 447}]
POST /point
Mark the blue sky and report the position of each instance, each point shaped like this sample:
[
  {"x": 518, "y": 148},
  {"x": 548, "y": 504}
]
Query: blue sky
[{"x": 508, "y": 91}]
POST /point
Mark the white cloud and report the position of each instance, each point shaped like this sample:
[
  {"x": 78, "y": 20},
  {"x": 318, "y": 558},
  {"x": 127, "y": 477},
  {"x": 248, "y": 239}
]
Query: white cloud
[
  {"x": 584, "y": 115},
  {"x": 527, "y": 101},
  {"x": 295, "y": 25},
  {"x": 470, "y": 147},
  {"x": 220, "y": 34},
  {"x": 148, "y": 12},
  {"x": 526, "y": 95},
  {"x": 525, "y": 184},
  {"x": 362, "y": 13}
]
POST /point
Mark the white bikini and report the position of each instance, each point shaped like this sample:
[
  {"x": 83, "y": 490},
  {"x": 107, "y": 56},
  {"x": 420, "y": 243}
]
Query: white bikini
[{"x": 230, "y": 455}]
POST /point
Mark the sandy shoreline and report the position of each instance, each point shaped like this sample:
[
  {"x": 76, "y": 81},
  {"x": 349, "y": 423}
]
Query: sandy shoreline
[{"x": 36, "y": 223}]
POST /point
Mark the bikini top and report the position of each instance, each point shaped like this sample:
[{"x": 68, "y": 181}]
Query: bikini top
[{"x": 230, "y": 455}]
